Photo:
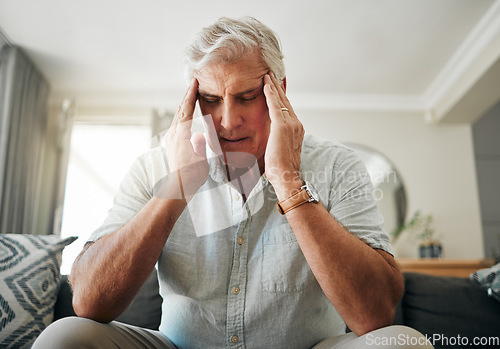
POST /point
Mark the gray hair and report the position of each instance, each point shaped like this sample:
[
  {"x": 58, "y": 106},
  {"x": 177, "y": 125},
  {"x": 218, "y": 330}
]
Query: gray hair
[{"x": 228, "y": 40}]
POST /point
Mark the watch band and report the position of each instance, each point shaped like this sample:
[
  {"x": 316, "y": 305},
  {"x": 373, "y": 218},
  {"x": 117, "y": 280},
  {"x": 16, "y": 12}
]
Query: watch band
[{"x": 295, "y": 200}]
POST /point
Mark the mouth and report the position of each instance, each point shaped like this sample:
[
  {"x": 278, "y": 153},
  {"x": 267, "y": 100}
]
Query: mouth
[{"x": 233, "y": 140}]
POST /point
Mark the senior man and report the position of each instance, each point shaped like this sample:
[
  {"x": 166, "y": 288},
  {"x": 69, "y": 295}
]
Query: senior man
[{"x": 263, "y": 237}]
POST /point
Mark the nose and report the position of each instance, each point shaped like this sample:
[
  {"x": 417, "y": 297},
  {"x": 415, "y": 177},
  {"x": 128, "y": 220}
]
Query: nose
[{"x": 231, "y": 116}]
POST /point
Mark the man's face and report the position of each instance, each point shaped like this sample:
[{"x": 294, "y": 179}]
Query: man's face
[{"x": 233, "y": 95}]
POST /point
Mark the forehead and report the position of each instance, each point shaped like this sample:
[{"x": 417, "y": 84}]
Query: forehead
[{"x": 232, "y": 78}]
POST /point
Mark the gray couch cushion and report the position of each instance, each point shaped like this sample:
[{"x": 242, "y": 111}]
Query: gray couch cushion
[
  {"x": 64, "y": 307},
  {"x": 145, "y": 310},
  {"x": 449, "y": 306}
]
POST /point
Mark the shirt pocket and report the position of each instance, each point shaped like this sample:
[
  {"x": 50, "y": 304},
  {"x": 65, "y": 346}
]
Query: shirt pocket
[
  {"x": 284, "y": 267},
  {"x": 194, "y": 266}
]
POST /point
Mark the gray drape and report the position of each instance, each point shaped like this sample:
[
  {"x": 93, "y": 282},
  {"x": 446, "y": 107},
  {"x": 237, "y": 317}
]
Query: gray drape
[{"x": 23, "y": 121}]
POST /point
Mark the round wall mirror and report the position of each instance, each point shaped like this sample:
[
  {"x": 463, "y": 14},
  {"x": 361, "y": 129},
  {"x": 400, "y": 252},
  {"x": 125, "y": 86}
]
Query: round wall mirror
[{"x": 389, "y": 190}]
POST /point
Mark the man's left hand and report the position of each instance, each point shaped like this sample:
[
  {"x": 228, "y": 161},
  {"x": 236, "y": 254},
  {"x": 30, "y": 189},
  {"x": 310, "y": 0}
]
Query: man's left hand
[{"x": 284, "y": 146}]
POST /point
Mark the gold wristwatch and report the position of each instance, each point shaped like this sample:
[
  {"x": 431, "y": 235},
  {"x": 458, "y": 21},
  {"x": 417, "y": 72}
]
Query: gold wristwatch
[{"x": 307, "y": 193}]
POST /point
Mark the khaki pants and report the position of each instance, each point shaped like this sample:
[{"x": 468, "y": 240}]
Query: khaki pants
[{"x": 74, "y": 332}]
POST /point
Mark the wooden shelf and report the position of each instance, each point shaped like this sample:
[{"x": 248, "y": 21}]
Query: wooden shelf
[{"x": 444, "y": 266}]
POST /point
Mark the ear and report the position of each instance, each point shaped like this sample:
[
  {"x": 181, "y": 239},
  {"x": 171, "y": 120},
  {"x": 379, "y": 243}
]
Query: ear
[{"x": 283, "y": 84}]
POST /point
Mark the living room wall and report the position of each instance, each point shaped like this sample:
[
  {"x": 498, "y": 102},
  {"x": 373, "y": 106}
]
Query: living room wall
[
  {"x": 485, "y": 132},
  {"x": 436, "y": 163}
]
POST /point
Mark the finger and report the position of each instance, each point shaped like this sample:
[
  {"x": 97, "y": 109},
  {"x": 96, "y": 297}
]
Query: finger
[
  {"x": 268, "y": 80},
  {"x": 272, "y": 100},
  {"x": 284, "y": 99},
  {"x": 187, "y": 100},
  {"x": 211, "y": 134},
  {"x": 281, "y": 93},
  {"x": 282, "y": 109},
  {"x": 186, "y": 111},
  {"x": 199, "y": 144}
]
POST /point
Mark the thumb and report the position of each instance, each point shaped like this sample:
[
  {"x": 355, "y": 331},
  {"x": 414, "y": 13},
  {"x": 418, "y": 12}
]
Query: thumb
[{"x": 199, "y": 144}]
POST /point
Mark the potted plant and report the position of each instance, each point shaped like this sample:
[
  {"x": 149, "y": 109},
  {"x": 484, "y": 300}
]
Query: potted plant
[{"x": 420, "y": 228}]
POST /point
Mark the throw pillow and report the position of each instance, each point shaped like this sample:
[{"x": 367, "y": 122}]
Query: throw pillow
[
  {"x": 29, "y": 282},
  {"x": 489, "y": 279}
]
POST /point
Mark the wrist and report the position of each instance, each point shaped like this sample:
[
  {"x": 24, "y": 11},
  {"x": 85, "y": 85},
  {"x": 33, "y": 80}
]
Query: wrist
[
  {"x": 306, "y": 194},
  {"x": 287, "y": 188}
]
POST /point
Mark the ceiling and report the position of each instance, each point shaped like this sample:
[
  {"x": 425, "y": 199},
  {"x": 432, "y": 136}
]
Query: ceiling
[{"x": 412, "y": 55}]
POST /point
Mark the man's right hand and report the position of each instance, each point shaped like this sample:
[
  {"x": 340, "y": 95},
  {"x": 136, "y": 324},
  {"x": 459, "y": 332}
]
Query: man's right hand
[
  {"x": 186, "y": 153},
  {"x": 108, "y": 273}
]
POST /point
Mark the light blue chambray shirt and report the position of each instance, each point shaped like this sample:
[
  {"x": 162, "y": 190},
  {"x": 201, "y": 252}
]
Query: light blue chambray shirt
[{"x": 231, "y": 273}]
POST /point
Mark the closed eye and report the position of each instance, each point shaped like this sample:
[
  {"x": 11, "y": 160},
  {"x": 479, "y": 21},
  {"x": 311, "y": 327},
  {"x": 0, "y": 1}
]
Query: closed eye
[{"x": 210, "y": 99}]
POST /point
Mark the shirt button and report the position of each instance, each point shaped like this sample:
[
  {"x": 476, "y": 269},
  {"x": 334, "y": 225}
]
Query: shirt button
[
  {"x": 234, "y": 339},
  {"x": 236, "y": 290},
  {"x": 239, "y": 241},
  {"x": 236, "y": 197}
]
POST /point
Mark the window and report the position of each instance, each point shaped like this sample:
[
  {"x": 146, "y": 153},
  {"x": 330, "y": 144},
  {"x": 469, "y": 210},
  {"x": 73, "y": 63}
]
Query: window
[{"x": 100, "y": 156}]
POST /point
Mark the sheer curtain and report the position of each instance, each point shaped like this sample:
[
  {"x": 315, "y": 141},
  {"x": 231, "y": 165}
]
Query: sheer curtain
[{"x": 23, "y": 123}]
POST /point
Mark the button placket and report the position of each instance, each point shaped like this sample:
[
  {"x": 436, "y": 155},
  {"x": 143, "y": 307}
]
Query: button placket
[
  {"x": 235, "y": 196},
  {"x": 238, "y": 213},
  {"x": 236, "y": 291}
]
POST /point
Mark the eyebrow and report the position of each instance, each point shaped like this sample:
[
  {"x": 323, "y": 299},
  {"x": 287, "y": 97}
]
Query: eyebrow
[
  {"x": 248, "y": 91},
  {"x": 206, "y": 94}
]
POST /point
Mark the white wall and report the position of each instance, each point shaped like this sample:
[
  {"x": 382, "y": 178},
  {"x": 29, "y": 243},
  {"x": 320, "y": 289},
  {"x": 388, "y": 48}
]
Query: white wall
[
  {"x": 435, "y": 161},
  {"x": 486, "y": 132}
]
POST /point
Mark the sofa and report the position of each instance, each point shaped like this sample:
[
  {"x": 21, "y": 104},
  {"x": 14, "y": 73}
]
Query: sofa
[
  {"x": 449, "y": 310},
  {"x": 452, "y": 312}
]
